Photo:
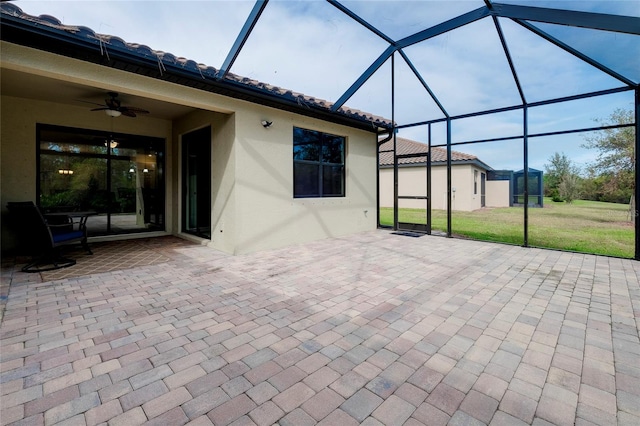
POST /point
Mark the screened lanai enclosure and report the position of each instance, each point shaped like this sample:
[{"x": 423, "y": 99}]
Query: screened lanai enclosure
[{"x": 512, "y": 83}]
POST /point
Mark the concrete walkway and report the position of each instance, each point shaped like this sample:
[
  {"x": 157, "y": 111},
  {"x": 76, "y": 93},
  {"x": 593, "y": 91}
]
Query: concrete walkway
[{"x": 374, "y": 329}]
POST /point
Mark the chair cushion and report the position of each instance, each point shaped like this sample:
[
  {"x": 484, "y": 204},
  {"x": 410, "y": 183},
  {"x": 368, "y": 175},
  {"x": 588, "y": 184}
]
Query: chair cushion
[{"x": 75, "y": 235}]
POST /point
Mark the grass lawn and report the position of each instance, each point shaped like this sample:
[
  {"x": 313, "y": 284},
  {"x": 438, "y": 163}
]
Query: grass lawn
[{"x": 583, "y": 226}]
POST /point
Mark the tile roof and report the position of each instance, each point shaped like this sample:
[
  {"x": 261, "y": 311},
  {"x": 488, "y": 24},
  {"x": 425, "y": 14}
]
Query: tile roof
[
  {"x": 407, "y": 146},
  {"x": 109, "y": 43}
]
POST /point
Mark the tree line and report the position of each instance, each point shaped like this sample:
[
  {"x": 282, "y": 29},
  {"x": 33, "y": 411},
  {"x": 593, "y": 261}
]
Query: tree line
[{"x": 609, "y": 178}]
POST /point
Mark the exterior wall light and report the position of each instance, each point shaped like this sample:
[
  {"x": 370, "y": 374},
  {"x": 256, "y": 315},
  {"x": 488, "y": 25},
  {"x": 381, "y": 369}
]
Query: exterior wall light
[{"x": 266, "y": 124}]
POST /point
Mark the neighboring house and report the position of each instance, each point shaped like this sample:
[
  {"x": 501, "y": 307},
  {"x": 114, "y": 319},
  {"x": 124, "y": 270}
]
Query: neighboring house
[
  {"x": 470, "y": 184},
  {"x": 228, "y": 161}
]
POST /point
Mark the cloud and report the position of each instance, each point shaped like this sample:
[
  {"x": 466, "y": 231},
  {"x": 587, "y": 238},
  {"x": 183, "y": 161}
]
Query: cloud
[
  {"x": 313, "y": 49},
  {"x": 200, "y": 30}
]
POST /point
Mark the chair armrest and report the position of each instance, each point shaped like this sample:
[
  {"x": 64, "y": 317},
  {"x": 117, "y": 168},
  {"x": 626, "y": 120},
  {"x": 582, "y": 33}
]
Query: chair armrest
[
  {"x": 62, "y": 225},
  {"x": 58, "y": 220}
]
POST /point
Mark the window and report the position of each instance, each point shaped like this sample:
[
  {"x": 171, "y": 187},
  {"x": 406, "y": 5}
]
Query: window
[
  {"x": 318, "y": 164},
  {"x": 119, "y": 176},
  {"x": 475, "y": 182}
]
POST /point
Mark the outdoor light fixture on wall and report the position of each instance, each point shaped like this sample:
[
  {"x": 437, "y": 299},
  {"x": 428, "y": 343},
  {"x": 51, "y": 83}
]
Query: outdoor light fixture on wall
[
  {"x": 266, "y": 124},
  {"x": 65, "y": 171},
  {"x": 111, "y": 143}
]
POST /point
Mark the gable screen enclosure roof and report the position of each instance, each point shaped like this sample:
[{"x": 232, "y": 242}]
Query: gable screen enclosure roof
[
  {"x": 409, "y": 60},
  {"x": 427, "y": 67}
]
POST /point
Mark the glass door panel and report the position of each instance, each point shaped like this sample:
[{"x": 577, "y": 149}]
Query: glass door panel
[
  {"x": 119, "y": 176},
  {"x": 196, "y": 183},
  {"x": 75, "y": 183}
]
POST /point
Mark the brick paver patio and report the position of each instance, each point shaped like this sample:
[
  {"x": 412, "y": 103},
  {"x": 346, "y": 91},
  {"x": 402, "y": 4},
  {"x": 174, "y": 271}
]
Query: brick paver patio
[{"x": 369, "y": 329}]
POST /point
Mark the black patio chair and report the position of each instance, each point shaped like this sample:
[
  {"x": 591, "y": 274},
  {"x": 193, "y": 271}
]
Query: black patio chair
[{"x": 40, "y": 240}]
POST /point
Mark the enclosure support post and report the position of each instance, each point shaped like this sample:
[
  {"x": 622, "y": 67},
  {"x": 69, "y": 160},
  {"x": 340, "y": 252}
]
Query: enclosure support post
[
  {"x": 636, "y": 214},
  {"x": 429, "y": 183},
  {"x": 377, "y": 181},
  {"x": 449, "y": 189},
  {"x": 242, "y": 38},
  {"x": 525, "y": 144},
  {"x": 395, "y": 183},
  {"x": 395, "y": 153}
]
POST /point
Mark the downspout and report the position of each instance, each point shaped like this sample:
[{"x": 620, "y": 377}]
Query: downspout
[{"x": 387, "y": 139}]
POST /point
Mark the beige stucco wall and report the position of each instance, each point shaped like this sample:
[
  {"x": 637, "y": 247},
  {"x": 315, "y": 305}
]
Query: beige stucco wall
[
  {"x": 269, "y": 215},
  {"x": 252, "y": 181},
  {"x": 223, "y": 174},
  {"x": 252, "y": 167},
  {"x": 498, "y": 193},
  {"x": 412, "y": 182}
]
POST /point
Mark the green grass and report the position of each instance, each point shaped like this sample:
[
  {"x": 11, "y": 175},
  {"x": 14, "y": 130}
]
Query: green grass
[{"x": 583, "y": 226}]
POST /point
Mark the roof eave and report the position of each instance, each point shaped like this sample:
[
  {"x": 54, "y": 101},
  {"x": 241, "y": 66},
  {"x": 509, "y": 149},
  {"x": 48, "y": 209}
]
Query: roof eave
[
  {"x": 19, "y": 31},
  {"x": 476, "y": 162}
]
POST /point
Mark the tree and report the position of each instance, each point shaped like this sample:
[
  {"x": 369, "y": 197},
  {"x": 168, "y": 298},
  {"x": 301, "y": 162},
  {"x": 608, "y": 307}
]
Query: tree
[
  {"x": 561, "y": 169},
  {"x": 616, "y": 157},
  {"x": 569, "y": 188}
]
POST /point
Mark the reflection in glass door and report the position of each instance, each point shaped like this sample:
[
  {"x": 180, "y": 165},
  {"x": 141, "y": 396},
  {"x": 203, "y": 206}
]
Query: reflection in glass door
[
  {"x": 196, "y": 183},
  {"x": 118, "y": 176}
]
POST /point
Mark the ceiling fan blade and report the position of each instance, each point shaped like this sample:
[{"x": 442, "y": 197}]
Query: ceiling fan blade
[
  {"x": 134, "y": 109},
  {"x": 101, "y": 109},
  {"x": 88, "y": 102},
  {"x": 127, "y": 112}
]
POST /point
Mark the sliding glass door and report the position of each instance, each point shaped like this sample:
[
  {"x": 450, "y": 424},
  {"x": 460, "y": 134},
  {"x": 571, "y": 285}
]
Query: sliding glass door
[{"x": 120, "y": 177}]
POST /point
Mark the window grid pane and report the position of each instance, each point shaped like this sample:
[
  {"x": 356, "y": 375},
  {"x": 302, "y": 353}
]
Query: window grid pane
[
  {"x": 306, "y": 178},
  {"x": 332, "y": 181},
  {"x": 318, "y": 160}
]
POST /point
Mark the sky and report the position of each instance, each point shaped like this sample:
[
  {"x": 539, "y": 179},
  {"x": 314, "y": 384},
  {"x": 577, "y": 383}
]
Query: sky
[{"x": 313, "y": 48}]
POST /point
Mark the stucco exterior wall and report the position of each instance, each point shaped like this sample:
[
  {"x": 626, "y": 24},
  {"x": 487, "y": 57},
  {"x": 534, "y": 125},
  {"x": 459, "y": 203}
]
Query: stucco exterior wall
[
  {"x": 223, "y": 174},
  {"x": 412, "y": 182},
  {"x": 268, "y": 214},
  {"x": 498, "y": 193},
  {"x": 253, "y": 207},
  {"x": 252, "y": 167}
]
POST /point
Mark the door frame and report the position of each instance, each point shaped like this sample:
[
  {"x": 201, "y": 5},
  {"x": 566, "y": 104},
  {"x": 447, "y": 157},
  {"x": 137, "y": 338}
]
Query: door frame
[{"x": 419, "y": 227}]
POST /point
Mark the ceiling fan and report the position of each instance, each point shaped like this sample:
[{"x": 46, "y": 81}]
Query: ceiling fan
[{"x": 114, "y": 108}]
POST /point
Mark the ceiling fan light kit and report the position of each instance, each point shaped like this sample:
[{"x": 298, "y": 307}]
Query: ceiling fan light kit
[{"x": 114, "y": 108}]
